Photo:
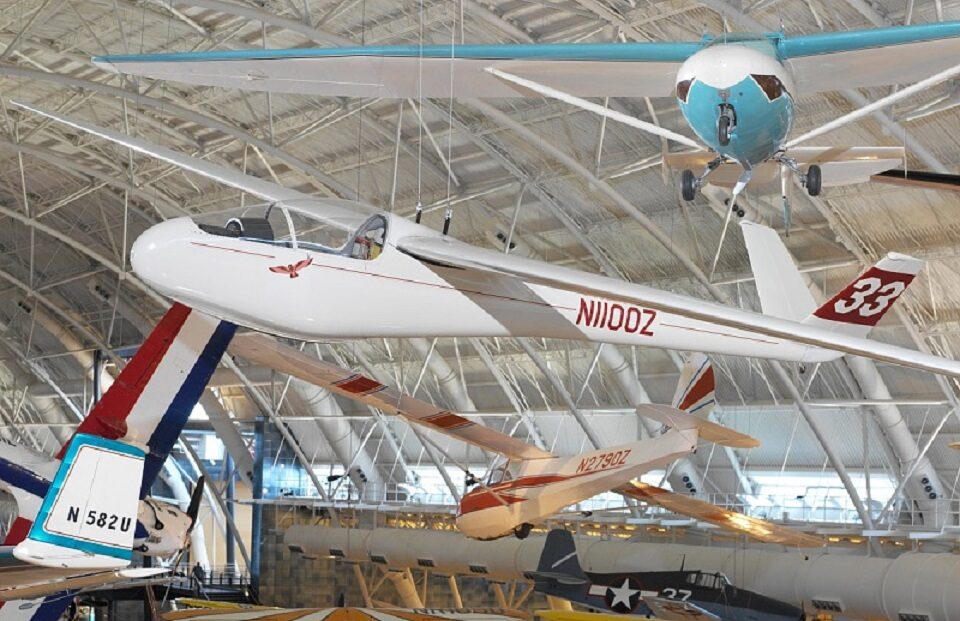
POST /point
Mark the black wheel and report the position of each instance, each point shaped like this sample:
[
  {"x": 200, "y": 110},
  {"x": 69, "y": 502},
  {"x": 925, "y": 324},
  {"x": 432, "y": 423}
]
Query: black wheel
[
  {"x": 741, "y": 213},
  {"x": 814, "y": 180},
  {"x": 688, "y": 185},
  {"x": 723, "y": 129},
  {"x": 523, "y": 531}
]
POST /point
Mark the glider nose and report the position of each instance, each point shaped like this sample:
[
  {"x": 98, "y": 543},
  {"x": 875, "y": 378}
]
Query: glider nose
[{"x": 154, "y": 255}]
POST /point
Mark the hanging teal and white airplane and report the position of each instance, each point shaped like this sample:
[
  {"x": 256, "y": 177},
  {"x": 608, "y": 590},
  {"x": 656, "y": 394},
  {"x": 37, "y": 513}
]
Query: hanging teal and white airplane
[{"x": 737, "y": 92}]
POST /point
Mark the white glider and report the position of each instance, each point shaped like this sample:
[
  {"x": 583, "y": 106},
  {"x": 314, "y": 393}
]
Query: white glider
[{"x": 314, "y": 268}]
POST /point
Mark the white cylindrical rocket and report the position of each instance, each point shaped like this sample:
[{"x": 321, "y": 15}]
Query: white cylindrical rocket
[{"x": 913, "y": 583}]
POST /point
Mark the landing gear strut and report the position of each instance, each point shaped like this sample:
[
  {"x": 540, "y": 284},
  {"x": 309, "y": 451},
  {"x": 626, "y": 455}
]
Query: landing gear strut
[
  {"x": 690, "y": 184},
  {"x": 812, "y": 180},
  {"x": 523, "y": 531}
]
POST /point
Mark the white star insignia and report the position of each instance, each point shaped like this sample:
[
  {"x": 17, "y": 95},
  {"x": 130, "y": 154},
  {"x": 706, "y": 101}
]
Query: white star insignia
[{"x": 623, "y": 594}]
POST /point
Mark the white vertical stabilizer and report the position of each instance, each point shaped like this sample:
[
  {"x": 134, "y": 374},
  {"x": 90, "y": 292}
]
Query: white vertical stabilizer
[
  {"x": 783, "y": 293},
  {"x": 89, "y": 515}
]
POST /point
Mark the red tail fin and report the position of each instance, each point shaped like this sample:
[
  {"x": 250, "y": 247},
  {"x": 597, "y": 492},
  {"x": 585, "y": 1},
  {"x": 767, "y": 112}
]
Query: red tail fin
[{"x": 864, "y": 302}]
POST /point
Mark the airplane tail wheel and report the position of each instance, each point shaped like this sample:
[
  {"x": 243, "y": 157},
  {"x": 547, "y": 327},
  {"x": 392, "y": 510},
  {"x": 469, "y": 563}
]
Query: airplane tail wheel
[
  {"x": 814, "y": 180},
  {"x": 688, "y": 185},
  {"x": 723, "y": 129},
  {"x": 523, "y": 531}
]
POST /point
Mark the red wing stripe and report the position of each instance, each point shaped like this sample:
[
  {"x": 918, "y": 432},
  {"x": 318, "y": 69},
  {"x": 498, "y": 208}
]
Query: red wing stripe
[
  {"x": 359, "y": 385},
  {"x": 447, "y": 420}
]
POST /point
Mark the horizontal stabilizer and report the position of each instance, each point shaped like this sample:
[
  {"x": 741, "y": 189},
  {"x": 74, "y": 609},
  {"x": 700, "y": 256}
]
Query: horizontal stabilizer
[
  {"x": 559, "y": 578},
  {"x": 89, "y": 515},
  {"x": 44, "y": 591},
  {"x": 673, "y": 610},
  {"x": 839, "y": 166},
  {"x": 677, "y": 419}
]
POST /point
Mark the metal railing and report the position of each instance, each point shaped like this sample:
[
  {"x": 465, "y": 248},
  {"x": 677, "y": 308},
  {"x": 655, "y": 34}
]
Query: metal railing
[{"x": 818, "y": 505}]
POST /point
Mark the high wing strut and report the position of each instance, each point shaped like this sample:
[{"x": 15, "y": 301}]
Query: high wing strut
[
  {"x": 613, "y": 115},
  {"x": 879, "y": 104}
]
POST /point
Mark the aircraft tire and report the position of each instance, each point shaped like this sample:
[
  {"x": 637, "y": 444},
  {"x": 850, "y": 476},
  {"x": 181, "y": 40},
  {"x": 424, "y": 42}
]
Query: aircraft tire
[
  {"x": 688, "y": 185},
  {"x": 814, "y": 180},
  {"x": 723, "y": 130},
  {"x": 523, "y": 531}
]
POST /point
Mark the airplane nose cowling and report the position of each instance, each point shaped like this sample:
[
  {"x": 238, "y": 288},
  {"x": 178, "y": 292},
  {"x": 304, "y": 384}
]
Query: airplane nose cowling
[{"x": 154, "y": 255}]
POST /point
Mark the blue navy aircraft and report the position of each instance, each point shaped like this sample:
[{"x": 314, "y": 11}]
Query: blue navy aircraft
[{"x": 683, "y": 595}]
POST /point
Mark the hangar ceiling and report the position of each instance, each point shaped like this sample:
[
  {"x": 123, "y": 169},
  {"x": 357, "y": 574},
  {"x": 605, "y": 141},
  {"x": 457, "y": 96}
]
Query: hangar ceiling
[{"x": 575, "y": 191}]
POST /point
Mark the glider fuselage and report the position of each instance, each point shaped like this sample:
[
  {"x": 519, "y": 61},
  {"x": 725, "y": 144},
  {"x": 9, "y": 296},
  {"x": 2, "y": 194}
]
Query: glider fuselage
[
  {"x": 309, "y": 294},
  {"x": 746, "y": 82},
  {"x": 542, "y": 487}
]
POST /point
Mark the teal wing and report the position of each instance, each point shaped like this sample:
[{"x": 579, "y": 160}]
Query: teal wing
[
  {"x": 875, "y": 57},
  {"x": 585, "y": 70}
]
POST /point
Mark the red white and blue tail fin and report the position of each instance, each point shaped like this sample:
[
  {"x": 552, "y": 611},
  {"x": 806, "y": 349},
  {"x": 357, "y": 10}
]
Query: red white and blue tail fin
[
  {"x": 153, "y": 396},
  {"x": 89, "y": 514},
  {"x": 696, "y": 388}
]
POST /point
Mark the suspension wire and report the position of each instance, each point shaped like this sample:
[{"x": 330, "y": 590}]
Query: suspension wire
[
  {"x": 363, "y": 41},
  {"x": 420, "y": 126},
  {"x": 448, "y": 212}
]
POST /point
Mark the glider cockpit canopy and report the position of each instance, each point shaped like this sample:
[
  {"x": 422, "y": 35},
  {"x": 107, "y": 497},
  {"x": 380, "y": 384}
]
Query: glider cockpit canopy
[{"x": 356, "y": 231}]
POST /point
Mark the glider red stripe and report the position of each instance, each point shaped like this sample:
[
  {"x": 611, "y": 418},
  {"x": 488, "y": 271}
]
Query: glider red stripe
[
  {"x": 484, "y": 499},
  {"x": 18, "y": 531},
  {"x": 476, "y": 499},
  {"x": 108, "y": 418},
  {"x": 358, "y": 384},
  {"x": 706, "y": 384},
  {"x": 447, "y": 420}
]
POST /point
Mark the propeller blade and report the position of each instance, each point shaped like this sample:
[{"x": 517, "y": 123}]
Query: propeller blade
[{"x": 194, "y": 508}]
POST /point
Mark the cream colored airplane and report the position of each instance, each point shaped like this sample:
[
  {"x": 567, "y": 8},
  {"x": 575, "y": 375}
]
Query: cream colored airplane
[
  {"x": 531, "y": 484},
  {"x": 313, "y": 268}
]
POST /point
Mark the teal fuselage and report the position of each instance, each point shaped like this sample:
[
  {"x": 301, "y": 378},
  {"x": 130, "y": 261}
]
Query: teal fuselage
[
  {"x": 747, "y": 80},
  {"x": 762, "y": 125}
]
